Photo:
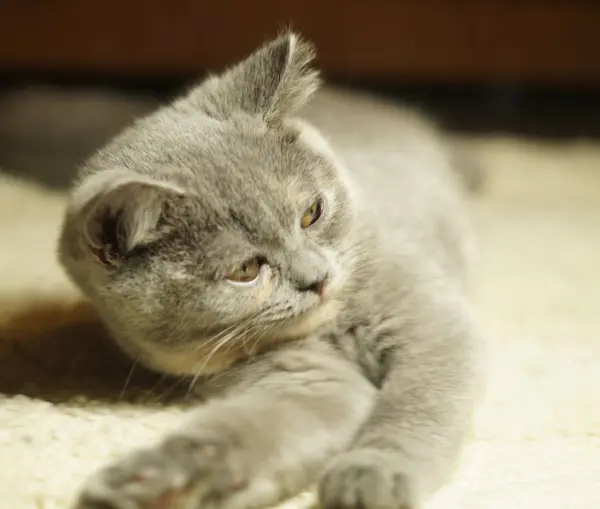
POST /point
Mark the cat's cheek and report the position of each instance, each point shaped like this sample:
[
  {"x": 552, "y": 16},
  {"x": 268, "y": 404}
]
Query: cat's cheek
[
  {"x": 264, "y": 291},
  {"x": 254, "y": 298},
  {"x": 336, "y": 273}
]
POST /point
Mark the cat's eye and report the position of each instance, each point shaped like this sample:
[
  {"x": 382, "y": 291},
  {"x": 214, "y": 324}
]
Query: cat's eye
[
  {"x": 247, "y": 272},
  {"x": 312, "y": 214}
]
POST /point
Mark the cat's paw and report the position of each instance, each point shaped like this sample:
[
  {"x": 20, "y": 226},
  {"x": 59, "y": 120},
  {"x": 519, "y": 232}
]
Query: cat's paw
[
  {"x": 182, "y": 472},
  {"x": 366, "y": 479}
]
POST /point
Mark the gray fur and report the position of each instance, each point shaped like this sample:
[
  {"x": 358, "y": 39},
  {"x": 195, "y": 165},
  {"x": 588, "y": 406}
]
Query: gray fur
[{"x": 368, "y": 387}]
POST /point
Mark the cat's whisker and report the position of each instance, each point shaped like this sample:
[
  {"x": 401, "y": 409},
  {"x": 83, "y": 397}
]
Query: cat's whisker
[
  {"x": 243, "y": 335},
  {"x": 236, "y": 326},
  {"x": 220, "y": 344},
  {"x": 216, "y": 337},
  {"x": 249, "y": 338},
  {"x": 199, "y": 372},
  {"x": 150, "y": 392},
  {"x": 256, "y": 342},
  {"x": 127, "y": 381},
  {"x": 171, "y": 389},
  {"x": 224, "y": 338}
]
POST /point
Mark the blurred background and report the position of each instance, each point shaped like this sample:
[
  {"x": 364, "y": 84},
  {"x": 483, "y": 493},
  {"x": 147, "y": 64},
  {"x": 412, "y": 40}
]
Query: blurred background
[{"x": 73, "y": 72}]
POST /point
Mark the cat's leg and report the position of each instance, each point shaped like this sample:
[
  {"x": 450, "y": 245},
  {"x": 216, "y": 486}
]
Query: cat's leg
[
  {"x": 407, "y": 448},
  {"x": 269, "y": 435}
]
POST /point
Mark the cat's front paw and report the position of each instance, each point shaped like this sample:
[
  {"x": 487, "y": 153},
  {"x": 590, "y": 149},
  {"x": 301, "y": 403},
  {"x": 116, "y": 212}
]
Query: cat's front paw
[
  {"x": 366, "y": 479},
  {"x": 181, "y": 473}
]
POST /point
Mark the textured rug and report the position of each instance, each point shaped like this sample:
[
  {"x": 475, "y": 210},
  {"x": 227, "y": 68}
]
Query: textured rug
[{"x": 70, "y": 403}]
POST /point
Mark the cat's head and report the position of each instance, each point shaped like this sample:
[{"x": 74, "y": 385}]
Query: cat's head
[{"x": 218, "y": 224}]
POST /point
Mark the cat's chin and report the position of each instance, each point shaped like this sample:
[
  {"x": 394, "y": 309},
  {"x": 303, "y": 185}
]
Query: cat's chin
[
  {"x": 195, "y": 352},
  {"x": 201, "y": 359}
]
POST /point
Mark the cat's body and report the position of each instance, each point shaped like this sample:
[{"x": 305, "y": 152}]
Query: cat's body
[{"x": 318, "y": 282}]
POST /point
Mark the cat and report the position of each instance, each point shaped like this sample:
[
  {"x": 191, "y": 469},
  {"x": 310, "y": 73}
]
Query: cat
[{"x": 302, "y": 255}]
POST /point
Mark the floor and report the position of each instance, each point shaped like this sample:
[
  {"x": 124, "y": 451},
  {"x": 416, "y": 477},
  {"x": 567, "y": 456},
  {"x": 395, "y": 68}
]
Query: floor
[{"x": 536, "y": 441}]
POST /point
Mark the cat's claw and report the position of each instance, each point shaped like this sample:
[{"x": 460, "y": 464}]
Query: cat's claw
[
  {"x": 364, "y": 479},
  {"x": 179, "y": 474}
]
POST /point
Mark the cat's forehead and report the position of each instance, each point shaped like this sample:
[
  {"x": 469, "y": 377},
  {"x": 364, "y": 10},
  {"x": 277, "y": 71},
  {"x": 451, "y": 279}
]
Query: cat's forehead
[
  {"x": 240, "y": 151},
  {"x": 240, "y": 167},
  {"x": 253, "y": 150},
  {"x": 245, "y": 176}
]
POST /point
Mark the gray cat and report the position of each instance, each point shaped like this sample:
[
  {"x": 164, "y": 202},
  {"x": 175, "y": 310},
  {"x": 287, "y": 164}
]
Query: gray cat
[{"x": 313, "y": 288}]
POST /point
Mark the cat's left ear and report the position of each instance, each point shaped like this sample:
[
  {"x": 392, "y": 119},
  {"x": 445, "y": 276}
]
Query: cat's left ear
[
  {"x": 273, "y": 82},
  {"x": 115, "y": 212}
]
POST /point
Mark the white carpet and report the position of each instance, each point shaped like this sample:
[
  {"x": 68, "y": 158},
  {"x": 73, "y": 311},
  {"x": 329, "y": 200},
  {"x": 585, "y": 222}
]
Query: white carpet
[{"x": 537, "y": 439}]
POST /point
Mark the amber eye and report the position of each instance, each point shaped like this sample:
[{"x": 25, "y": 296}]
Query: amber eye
[
  {"x": 312, "y": 214},
  {"x": 247, "y": 272}
]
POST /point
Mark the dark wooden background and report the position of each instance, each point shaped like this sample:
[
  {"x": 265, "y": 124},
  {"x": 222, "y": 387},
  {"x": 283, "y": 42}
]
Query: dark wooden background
[{"x": 528, "y": 41}]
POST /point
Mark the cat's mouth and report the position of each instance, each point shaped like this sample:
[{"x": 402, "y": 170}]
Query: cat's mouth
[
  {"x": 210, "y": 351},
  {"x": 310, "y": 321},
  {"x": 203, "y": 358}
]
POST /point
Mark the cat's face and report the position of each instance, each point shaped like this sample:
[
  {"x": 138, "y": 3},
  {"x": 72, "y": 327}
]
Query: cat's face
[{"x": 217, "y": 226}]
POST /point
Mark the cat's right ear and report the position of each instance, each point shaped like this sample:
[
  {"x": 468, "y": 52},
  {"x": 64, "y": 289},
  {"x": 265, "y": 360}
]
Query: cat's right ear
[
  {"x": 117, "y": 213},
  {"x": 273, "y": 82}
]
